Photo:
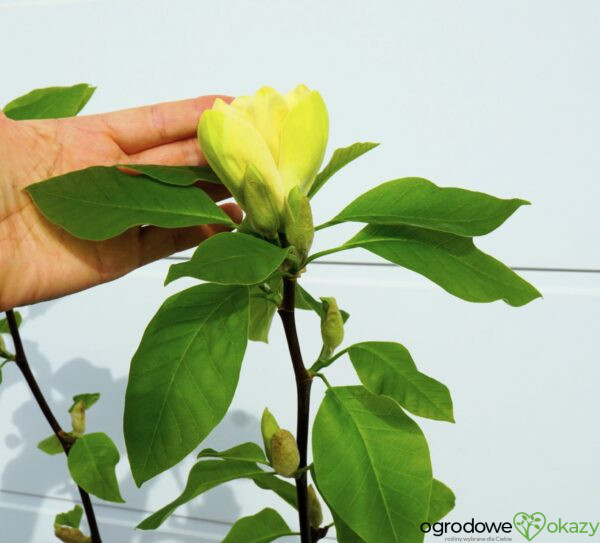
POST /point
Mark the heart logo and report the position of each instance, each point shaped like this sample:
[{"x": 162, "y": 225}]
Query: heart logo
[{"x": 529, "y": 525}]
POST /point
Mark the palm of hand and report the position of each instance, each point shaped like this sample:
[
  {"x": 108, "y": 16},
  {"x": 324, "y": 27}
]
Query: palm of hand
[{"x": 39, "y": 261}]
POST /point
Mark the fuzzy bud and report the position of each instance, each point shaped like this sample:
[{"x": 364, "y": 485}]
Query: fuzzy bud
[
  {"x": 332, "y": 327},
  {"x": 299, "y": 228},
  {"x": 315, "y": 512},
  {"x": 78, "y": 418},
  {"x": 268, "y": 426},
  {"x": 70, "y": 535},
  {"x": 285, "y": 455}
]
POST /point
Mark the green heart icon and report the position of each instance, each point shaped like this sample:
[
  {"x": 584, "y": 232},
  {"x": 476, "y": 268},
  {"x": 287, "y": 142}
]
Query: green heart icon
[{"x": 529, "y": 525}]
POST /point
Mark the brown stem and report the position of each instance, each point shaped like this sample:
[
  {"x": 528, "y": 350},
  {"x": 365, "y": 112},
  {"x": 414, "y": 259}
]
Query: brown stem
[
  {"x": 303, "y": 384},
  {"x": 23, "y": 365}
]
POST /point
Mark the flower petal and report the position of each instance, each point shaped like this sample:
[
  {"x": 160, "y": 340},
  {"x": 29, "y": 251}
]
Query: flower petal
[
  {"x": 229, "y": 143},
  {"x": 266, "y": 111},
  {"x": 303, "y": 140}
]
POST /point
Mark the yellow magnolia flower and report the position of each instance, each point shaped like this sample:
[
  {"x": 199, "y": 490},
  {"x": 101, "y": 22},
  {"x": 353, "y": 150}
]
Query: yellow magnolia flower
[{"x": 263, "y": 146}]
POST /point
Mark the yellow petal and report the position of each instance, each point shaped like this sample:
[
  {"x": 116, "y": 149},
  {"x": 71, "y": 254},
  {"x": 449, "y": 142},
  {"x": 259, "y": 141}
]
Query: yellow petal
[
  {"x": 229, "y": 143},
  {"x": 303, "y": 140},
  {"x": 266, "y": 111},
  {"x": 293, "y": 97}
]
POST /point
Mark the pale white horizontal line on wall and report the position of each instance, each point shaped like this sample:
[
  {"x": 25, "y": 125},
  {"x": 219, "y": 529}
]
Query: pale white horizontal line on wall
[{"x": 390, "y": 265}]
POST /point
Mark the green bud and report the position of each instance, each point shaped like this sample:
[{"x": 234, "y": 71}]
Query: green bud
[
  {"x": 332, "y": 327},
  {"x": 285, "y": 455},
  {"x": 268, "y": 426},
  {"x": 299, "y": 228},
  {"x": 315, "y": 513},
  {"x": 259, "y": 204},
  {"x": 2, "y": 344},
  {"x": 78, "y": 418},
  {"x": 67, "y": 534}
]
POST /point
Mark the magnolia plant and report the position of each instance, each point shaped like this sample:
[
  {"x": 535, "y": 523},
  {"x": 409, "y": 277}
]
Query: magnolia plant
[{"x": 369, "y": 471}]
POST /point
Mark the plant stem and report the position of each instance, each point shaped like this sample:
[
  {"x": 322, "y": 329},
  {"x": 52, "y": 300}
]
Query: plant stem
[
  {"x": 23, "y": 365},
  {"x": 303, "y": 384}
]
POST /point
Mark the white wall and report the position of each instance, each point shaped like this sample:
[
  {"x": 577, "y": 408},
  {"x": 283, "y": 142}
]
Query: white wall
[{"x": 495, "y": 96}]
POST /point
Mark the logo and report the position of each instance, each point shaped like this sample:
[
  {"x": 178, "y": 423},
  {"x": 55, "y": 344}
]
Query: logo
[{"x": 529, "y": 525}]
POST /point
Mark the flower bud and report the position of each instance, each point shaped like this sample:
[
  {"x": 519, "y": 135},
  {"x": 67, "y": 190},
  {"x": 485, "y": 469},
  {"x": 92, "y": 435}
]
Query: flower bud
[
  {"x": 283, "y": 136},
  {"x": 299, "y": 228},
  {"x": 78, "y": 418},
  {"x": 260, "y": 204},
  {"x": 284, "y": 452},
  {"x": 70, "y": 535},
  {"x": 315, "y": 513},
  {"x": 268, "y": 426},
  {"x": 332, "y": 327}
]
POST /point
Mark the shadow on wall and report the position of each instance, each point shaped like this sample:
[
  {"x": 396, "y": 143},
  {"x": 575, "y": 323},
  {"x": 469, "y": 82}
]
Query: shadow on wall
[{"x": 36, "y": 473}]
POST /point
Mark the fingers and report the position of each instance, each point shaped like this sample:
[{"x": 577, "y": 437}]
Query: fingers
[
  {"x": 157, "y": 243},
  {"x": 180, "y": 153},
  {"x": 138, "y": 129}
]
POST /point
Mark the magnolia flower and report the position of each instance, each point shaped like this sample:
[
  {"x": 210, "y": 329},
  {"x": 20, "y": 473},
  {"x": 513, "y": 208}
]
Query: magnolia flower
[{"x": 265, "y": 145}]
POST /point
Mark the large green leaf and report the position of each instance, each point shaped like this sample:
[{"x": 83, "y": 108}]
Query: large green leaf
[
  {"x": 414, "y": 201},
  {"x": 184, "y": 375},
  {"x": 343, "y": 533},
  {"x": 92, "y": 461},
  {"x": 262, "y": 310},
  {"x": 183, "y": 176},
  {"x": 231, "y": 258},
  {"x": 285, "y": 490},
  {"x": 372, "y": 465},
  {"x": 50, "y": 103},
  {"x": 340, "y": 158},
  {"x": 203, "y": 476},
  {"x": 101, "y": 202},
  {"x": 249, "y": 452},
  {"x": 386, "y": 368},
  {"x": 263, "y": 527},
  {"x": 442, "y": 501},
  {"x": 453, "y": 262}
]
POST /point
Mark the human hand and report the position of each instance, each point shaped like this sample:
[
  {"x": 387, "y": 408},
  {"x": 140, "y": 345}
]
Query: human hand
[{"x": 39, "y": 261}]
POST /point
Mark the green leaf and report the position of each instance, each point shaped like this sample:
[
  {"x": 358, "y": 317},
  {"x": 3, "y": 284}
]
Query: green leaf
[
  {"x": 305, "y": 300},
  {"x": 88, "y": 400},
  {"x": 442, "y": 501},
  {"x": 286, "y": 491},
  {"x": 71, "y": 518},
  {"x": 182, "y": 176},
  {"x": 101, "y": 202},
  {"x": 4, "y": 328},
  {"x": 92, "y": 461},
  {"x": 184, "y": 375},
  {"x": 203, "y": 476},
  {"x": 51, "y": 445},
  {"x": 231, "y": 258},
  {"x": 262, "y": 311},
  {"x": 372, "y": 465},
  {"x": 387, "y": 369},
  {"x": 340, "y": 158},
  {"x": 263, "y": 527},
  {"x": 50, "y": 103},
  {"x": 453, "y": 262},
  {"x": 413, "y": 201},
  {"x": 343, "y": 533},
  {"x": 248, "y": 452}
]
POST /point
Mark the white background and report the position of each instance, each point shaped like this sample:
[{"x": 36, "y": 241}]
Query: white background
[{"x": 495, "y": 96}]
